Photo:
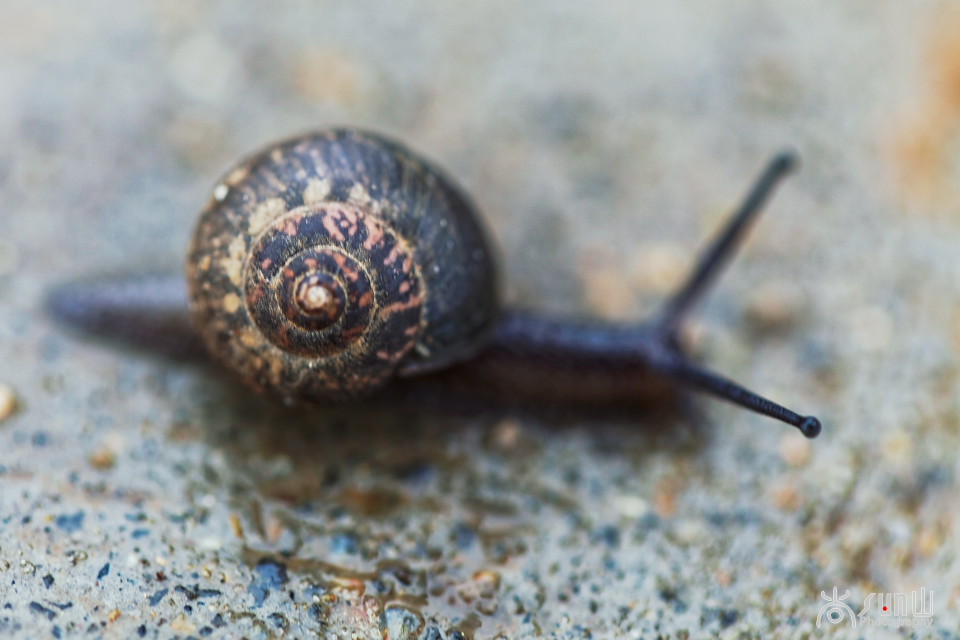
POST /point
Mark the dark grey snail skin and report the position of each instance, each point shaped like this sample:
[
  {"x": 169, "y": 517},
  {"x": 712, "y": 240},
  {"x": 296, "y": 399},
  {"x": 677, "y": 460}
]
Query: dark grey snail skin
[{"x": 340, "y": 265}]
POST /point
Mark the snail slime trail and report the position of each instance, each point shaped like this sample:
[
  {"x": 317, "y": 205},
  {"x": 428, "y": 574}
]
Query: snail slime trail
[{"x": 340, "y": 265}]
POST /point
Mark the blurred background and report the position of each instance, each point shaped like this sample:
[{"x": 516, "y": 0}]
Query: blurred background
[{"x": 603, "y": 144}]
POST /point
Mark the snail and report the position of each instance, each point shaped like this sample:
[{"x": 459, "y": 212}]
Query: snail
[{"x": 340, "y": 265}]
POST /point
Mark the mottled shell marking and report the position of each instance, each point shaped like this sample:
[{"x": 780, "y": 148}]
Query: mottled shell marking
[
  {"x": 312, "y": 249},
  {"x": 324, "y": 265}
]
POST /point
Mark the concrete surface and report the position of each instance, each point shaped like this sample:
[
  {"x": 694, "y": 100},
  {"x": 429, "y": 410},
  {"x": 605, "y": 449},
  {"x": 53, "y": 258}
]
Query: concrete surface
[{"x": 144, "y": 498}]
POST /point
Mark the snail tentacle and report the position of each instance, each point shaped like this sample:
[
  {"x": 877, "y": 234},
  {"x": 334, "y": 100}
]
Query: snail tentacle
[{"x": 723, "y": 247}]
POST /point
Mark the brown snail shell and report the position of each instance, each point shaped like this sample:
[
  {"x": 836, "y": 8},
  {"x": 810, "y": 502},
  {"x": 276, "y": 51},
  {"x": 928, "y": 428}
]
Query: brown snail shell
[{"x": 326, "y": 264}]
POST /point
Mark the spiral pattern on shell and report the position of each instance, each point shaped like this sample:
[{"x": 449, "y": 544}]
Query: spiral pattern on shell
[{"x": 326, "y": 264}]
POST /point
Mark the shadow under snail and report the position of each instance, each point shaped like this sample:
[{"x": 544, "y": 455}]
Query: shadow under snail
[{"x": 340, "y": 265}]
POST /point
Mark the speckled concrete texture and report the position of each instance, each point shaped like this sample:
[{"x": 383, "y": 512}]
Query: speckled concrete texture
[{"x": 146, "y": 498}]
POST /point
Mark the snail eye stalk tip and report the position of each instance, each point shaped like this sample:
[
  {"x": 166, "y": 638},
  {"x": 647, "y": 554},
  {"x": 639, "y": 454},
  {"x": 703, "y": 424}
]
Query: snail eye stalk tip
[{"x": 810, "y": 427}]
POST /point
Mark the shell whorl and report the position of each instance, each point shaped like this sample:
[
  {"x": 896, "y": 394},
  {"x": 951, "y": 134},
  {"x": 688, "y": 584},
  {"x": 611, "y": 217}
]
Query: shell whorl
[
  {"x": 326, "y": 264},
  {"x": 309, "y": 293}
]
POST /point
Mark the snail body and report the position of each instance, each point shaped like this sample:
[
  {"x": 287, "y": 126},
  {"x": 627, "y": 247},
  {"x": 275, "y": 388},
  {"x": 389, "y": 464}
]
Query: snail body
[{"x": 341, "y": 265}]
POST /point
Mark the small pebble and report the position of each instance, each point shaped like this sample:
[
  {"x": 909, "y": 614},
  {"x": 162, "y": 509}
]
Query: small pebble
[
  {"x": 236, "y": 525},
  {"x": 158, "y": 596},
  {"x": 606, "y": 292},
  {"x": 46, "y": 612},
  {"x": 103, "y": 460},
  {"x": 665, "y": 497},
  {"x": 268, "y": 574},
  {"x": 328, "y": 75},
  {"x": 630, "y": 506},
  {"x": 71, "y": 523},
  {"x": 402, "y": 623},
  {"x": 795, "y": 449},
  {"x": 857, "y": 537},
  {"x": 210, "y": 543},
  {"x": 774, "y": 306},
  {"x": 658, "y": 267},
  {"x": 785, "y": 496},
  {"x": 929, "y": 542},
  {"x": 506, "y": 434},
  {"x": 8, "y": 401},
  {"x": 181, "y": 624},
  {"x": 488, "y": 583},
  {"x": 689, "y": 531}
]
